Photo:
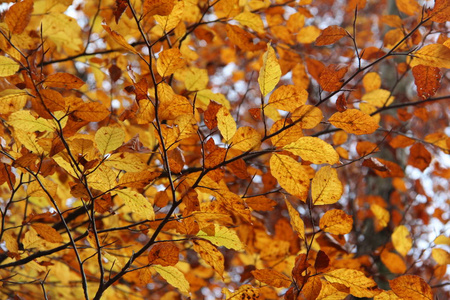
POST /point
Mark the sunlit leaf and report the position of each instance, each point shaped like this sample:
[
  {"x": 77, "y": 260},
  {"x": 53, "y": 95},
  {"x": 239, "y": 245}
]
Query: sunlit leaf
[
  {"x": 270, "y": 72},
  {"x": 326, "y": 188}
]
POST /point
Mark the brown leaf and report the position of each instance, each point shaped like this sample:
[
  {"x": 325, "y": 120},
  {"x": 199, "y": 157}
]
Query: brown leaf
[
  {"x": 47, "y": 233},
  {"x": 330, "y": 35},
  {"x": 411, "y": 287},
  {"x": 164, "y": 254},
  {"x": 427, "y": 80},
  {"x": 18, "y": 16},
  {"x": 419, "y": 157},
  {"x": 64, "y": 80}
]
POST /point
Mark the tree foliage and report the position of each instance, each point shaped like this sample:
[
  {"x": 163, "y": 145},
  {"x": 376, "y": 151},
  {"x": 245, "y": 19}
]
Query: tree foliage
[{"x": 224, "y": 149}]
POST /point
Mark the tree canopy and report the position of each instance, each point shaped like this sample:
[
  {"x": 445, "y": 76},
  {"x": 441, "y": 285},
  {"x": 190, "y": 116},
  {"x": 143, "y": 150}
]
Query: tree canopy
[{"x": 224, "y": 149}]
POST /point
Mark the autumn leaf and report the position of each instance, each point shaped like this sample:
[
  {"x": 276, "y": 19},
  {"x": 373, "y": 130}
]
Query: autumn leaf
[
  {"x": 64, "y": 80},
  {"x": 223, "y": 237},
  {"x": 359, "y": 284},
  {"x": 270, "y": 72},
  {"x": 434, "y": 55},
  {"x": 164, "y": 254},
  {"x": 109, "y": 138},
  {"x": 330, "y": 35},
  {"x": 210, "y": 254},
  {"x": 169, "y": 61},
  {"x": 326, "y": 188},
  {"x": 314, "y": 150},
  {"x": 8, "y": 66},
  {"x": 336, "y": 222},
  {"x": 18, "y": 16},
  {"x": 137, "y": 203},
  {"x": 288, "y": 97},
  {"x": 226, "y": 123},
  {"x": 118, "y": 38},
  {"x": 411, "y": 287},
  {"x": 402, "y": 240},
  {"x": 296, "y": 221},
  {"x": 174, "y": 277},
  {"x": 354, "y": 121},
  {"x": 272, "y": 277},
  {"x": 47, "y": 233},
  {"x": 290, "y": 175}
]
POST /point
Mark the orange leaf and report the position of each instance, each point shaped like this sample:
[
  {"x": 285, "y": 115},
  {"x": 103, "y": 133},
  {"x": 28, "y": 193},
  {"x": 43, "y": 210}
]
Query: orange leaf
[
  {"x": 354, "y": 121},
  {"x": 18, "y": 16},
  {"x": 210, "y": 254},
  {"x": 419, "y": 157},
  {"x": 427, "y": 80},
  {"x": 164, "y": 254},
  {"x": 336, "y": 222},
  {"x": 330, "y": 35},
  {"x": 64, "y": 80},
  {"x": 411, "y": 287},
  {"x": 441, "y": 11},
  {"x": 158, "y": 7},
  {"x": 409, "y": 7},
  {"x": 47, "y": 233},
  {"x": 243, "y": 39},
  {"x": 272, "y": 277},
  {"x": 91, "y": 111},
  {"x": 118, "y": 38}
]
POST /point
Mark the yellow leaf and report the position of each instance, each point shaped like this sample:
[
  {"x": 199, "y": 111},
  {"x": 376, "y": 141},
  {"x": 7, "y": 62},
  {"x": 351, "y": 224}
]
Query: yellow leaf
[
  {"x": 169, "y": 61},
  {"x": 174, "y": 277},
  {"x": 326, "y": 188},
  {"x": 171, "y": 21},
  {"x": 195, "y": 79},
  {"x": 12, "y": 100},
  {"x": 270, "y": 72},
  {"x": 137, "y": 203},
  {"x": 63, "y": 30},
  {"x": 442, "y": 240},
  {"x": 435, "y": 55},
  {"x": 329, "y": 292},
  {"x": 272, "y": 278},
  {"x": 313, "y": 149},
  {"x": 401, "y": 238},
  {"x": 118, "y": 38},
  {"x": 381, "y": 214},
  {"x": 8, "y": 66},
  {"x": 288, "y": 97},
  {"x": 290, "y": 175},
  {"x": 210, "y": 254},
  {"x": 308, "y": 34},
  {"x": 354, "y": 121},
  {"x": 226, "y": 123},
  {"x": 372, "y": 81},
  {"x": 103, "y": 179},
  {"x": 308, "y": 116},
  {"x": 23, "y": 120},
  {"x": 245, "y": 139},
  {"x": 411, "y": 287},
  {"x": 109, "y": 139},
  {"x": 10, "y": 242},
  {"x": 409, "y": 7},
  {"x": 126, "y": 161},
  {"x": 296, "y": 220},
  {"x": 336, "y": 222},
  {"x": 251, "y": 20},
  {"x": 378, "y": 98},
  {"x": 441, "y": 256},
  {"x": 223, "y": 237},
  {"x": 359, "y": 284},
  {"x": 386, "y": 295}
]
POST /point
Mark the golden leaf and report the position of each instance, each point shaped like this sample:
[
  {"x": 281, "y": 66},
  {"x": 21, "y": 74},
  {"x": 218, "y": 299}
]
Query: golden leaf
[
  {"x": 441, "y": 256},
  {"x": 245, "y": 139},
  {"x": 393, "y": 262},
  {"x": 251, "y": 20},
  {"x": 288, "y": 97},
  {"x": 359, "y": 284},
  {"x": 336, "y": 221},
  {"x": 23, "y": 120},
  {"x": 245, "y": 291},
  {"x": 401, "y": 239},
  {"x": 109, "y": 139},
  {"x": 12, "y": 100},
  {"x": 47, "y": 233},
  {"x": 8, "y": 66},
  {"x": 118, "y": 38},
  {"x": 296, "y": 220},
  {"x": 381, "y": 214},
  {"x": 171, "y": 21},
  {"x": 223, "y": 237},
  {"x": 409, "y": 7},
  {"x": 313, "y": 149},
  {"x": 272, "y": 278},
  {"x": 372, "y": 81},
  {"x": 174, "y": 277},
  {"x": 378, "y": 98},
  {"x": 226, "y": 123},
  {"x": 137, "y": 203},
  {"x": 435, "y": 55},
  {"x": 411, "y": 287},
  {"x": 270, "y": 72},
  {"x": 210, "y": 254},
  {"x": 158, "y": 7},
  {"x": 91, "y": 111},
  {"x": 126, "y": 161},
  {"x": 169, "y": 61},
  {"x": 354, "y": 121},
  {"x": 326, "y": 188},
  {"x": 308, "y": 116},
  {"x": 290, "y": 175}
]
